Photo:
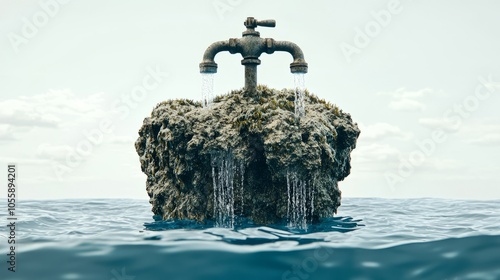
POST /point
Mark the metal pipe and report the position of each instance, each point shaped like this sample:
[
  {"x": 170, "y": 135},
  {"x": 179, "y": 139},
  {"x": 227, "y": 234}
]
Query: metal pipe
[
  {"x": 299, "y": 64},
  {"x": 208, "y": 64},
  {"x": 251, "y": 46},
  {"x": 250, "y": 73}
]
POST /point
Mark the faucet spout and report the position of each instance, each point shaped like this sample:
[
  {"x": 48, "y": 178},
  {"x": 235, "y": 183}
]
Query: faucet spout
[
  {"x": 208, "y": 64},
  {"x": 299, "y": 64}
]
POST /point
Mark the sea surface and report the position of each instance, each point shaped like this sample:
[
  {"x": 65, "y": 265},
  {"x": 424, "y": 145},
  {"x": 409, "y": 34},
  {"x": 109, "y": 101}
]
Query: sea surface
[{"x": 369, "y": 238}]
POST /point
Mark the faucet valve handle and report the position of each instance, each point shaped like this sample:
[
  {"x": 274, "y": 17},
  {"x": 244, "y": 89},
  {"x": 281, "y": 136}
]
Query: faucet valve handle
[
  {"x": 267, "y": 23},
  {"x": 252, "y": 23}
]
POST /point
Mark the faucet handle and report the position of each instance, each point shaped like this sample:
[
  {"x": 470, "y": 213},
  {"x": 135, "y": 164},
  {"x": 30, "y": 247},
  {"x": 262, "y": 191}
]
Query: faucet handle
[
  {"x": 267, "y": 23},
  {"x": 252, "y": 23}
]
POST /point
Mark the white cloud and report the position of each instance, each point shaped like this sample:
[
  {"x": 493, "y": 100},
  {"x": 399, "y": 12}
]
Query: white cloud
[
  {"x": 438, "y": 123},
  {"x": 53, "y": 152},
  {"x": 54, "y": 108},
  {"x": 476, "y": 131},
  {"x": 375, "y": 157},
  {"x": 25, "y": 161},
  {"x": 122, "y": 140},
  {"x": 6, "y": 132},
  {"x": 486, "y": 139},
  {"x": 66, "y": 101},
  {"x": 402, "y": 93},
  {"x": 406, "y": 100},
  {"x": 481, "y": 132},
  {"x": 406, "y": 105},
  {"x": 433, "y": 164},
  {"x": 24, "y": 113},
  {"x": 376, "y": 152},
  {"x": 444, "y": 164},
  {"x": 382, "y": 131}
]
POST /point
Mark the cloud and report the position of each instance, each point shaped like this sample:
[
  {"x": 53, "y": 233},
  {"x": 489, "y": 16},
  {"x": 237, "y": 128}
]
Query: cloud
[
  {"x": 25, "y": 161},
  {"x": 382, "y": 131},
  {"x": 23, "y": 113},
  {"x": 444, "y": 164},
  {"x": 486, "y": 139},
  {"x": 127, "y": 140},
  {"x": 6, "y": 132},
  {"x": 406, "y": 100},
  {"x": 438, "y": 123},
  {"x": 65, "y": 102},
  {"x": 374, "y": 153},
  {"x": 406, "y": 105},
  {"x": 485, "y": 132},
  {"x": 52, "y": 109},
  {"x": 53, "y": 152},
  {"x": 402, "y": 93},
  {"x": 375, "y": 157}
]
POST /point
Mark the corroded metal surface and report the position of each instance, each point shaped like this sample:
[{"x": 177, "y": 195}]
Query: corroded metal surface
[{"x": 251, "y": 46}]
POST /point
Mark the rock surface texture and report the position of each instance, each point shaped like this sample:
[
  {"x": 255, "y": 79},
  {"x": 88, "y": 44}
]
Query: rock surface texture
[{"x": 246, "y": 155}]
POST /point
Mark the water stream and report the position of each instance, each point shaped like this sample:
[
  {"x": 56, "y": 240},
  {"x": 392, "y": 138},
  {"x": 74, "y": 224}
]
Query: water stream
[
  {"x": 228, "y": 174},
  {"x": 228, "y": 181},
  {"x": 299, "y": 87},
  {"x": 242, "y": 180},
  {"x": 300, "y": 201},
  {"x": 207, "y": 89},
  {"x": 223, "y": 175}
]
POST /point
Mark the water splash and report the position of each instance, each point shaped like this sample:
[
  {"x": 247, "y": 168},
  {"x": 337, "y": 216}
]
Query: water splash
[
  {"x": 300, "y": 201},
  {"x": 207, "y": 89},
  {"x": 299, "y": 87}
]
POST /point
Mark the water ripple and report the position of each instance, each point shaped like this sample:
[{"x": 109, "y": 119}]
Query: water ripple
[{"x": 370, "y": 239}]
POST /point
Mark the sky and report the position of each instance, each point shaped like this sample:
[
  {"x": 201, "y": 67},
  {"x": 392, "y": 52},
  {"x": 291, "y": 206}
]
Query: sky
[{"x": 421, "y": 79}]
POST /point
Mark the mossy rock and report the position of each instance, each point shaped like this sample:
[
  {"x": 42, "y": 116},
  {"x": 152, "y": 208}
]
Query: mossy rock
[{"x": 260, "y": 130}]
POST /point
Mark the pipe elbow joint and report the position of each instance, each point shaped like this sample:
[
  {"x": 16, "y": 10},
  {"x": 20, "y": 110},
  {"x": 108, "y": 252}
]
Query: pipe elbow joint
[
  {"x": 299, "y": 65},
  {"x": 208, "y": 64}
]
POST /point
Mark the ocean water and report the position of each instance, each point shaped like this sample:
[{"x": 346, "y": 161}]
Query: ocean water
[{"x": 370, "y": 238}]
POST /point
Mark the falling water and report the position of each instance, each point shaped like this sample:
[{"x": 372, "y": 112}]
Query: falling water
[
  {"x": 207, "y": 88},
  {"x": 223, "y": 175},
  {"x": 299, "y": 83},
  {"x": 300, "y": 201},
  {"x": 227, "y": 174},
  {"x": 242, "y": 177}
]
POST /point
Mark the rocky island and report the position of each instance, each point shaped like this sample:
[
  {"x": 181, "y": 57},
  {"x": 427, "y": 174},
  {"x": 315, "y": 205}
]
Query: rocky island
[{"x": 246, "y": 155}]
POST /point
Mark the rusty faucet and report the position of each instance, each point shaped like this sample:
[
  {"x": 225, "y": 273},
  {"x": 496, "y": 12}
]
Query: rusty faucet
[{"x": 251, "y": 46}]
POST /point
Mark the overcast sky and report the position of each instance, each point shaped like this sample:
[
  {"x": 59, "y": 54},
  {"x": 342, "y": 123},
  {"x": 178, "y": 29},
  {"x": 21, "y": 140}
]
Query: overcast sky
[{"x": 421, "y": 78}]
